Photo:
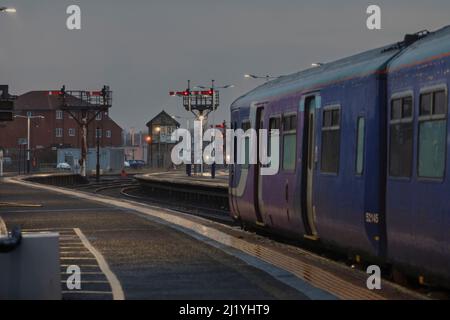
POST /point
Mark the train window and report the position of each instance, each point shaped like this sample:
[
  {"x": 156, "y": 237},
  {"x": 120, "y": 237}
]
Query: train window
[
  {"x": 274, "y": 124},
  {"x": 432, "y": 135},
  {"x": 327, "y": 119},
  {"x": 360, "y": 146},
  {"x": 440, "y": 103},
  {"x": 289, "y": 123},
  {"x": 331, "y": 135},
  {"x": 407, "y": 110},
  {"x": 234, "y": 127},
  {"x": 425, "y": 104},
  {"x": 396, "y": 112},
  {"x": 401, "y": 138},
  {"x": 289, "y": 142}
]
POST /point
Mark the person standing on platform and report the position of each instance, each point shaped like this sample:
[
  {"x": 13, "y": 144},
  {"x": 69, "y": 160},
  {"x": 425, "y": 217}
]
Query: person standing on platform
[
  {"x": 213, "y": 170},
  {"x": 189, "y": 169}
]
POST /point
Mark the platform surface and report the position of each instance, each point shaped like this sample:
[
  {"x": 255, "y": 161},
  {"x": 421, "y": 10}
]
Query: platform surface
[
  {"x": 180, "y": 177},
  {"x": 151, "y": 261}
]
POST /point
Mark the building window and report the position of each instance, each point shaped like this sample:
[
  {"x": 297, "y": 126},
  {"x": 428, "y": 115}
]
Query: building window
[
  {"x": 289, "y": 142},
  {"x": 59, "y": 132},
  {"x": 108, "y": 133},
  {"x": 432, "y": 135},
  {"x": 360, "y": 145},
  {"x": 29, "y": 114},
  {"x": 401, "y": 138},
  {"x": 98, "y": 117},
  {"x": 331, "y": 140},
  {"x": 59, "y": 114},
  {"x": 98, "y": 133},
  {"x": 72, "y": 132}
]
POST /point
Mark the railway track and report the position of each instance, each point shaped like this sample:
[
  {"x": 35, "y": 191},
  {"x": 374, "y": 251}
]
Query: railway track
[{"x": 210, "y": 205}]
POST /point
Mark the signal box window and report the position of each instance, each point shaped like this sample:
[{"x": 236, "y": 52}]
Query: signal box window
[
  {"x": 401, "y": 139},
  {"x": 432, "y": 135},
  {"x": 331, "y": 140},
  {"x": 289, "y": 142}
]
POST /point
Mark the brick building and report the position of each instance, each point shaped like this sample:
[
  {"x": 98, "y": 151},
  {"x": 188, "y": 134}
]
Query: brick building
[{"x": 57, "y": 130}]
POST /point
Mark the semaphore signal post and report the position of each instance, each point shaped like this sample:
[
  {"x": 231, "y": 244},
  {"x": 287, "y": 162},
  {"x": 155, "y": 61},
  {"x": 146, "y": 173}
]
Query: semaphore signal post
[
  {"x": 200, "y": 103},
  {"x": 84, "y": 107}
]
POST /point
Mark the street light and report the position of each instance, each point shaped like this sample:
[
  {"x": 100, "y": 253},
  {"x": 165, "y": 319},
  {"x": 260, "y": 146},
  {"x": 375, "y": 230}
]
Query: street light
[
  {"x": 223, "y": 87},
  {"x": 317, "y": 64},
  {"x": 29, "y": 117},
  {"x": 267, "y": 77},
  {"x": 8, "y": 10}
]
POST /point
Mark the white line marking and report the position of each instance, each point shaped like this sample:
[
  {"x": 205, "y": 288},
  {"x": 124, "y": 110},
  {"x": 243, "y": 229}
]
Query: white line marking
[
  {"x": 90, "y": 282},
  {"x": 116, "y": 287},
  {"x": 88, "y": 292},
  {"x": 81, "y": 266},
  {"x": 86, "y": 273},
  {"x": 77, "y": 258}
]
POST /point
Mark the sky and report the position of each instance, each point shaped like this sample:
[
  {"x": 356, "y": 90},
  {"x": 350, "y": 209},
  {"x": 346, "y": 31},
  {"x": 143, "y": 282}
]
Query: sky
[{"x": 143, "y": 49}]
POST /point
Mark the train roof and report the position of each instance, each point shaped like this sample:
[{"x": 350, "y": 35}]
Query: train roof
[
  {"x": 434, "y": 45},
  {"x": 358, "y": 65}
]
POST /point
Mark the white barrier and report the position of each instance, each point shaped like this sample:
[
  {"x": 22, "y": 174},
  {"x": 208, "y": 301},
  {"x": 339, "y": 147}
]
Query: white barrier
[{"x": 32, "y": 270}]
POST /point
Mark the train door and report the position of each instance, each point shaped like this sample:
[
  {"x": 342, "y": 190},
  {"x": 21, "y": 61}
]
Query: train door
[
  {"x": 258, "y": 179},
  {"x": 234, "y": 172},
  {"x": 309, "y": 165}
]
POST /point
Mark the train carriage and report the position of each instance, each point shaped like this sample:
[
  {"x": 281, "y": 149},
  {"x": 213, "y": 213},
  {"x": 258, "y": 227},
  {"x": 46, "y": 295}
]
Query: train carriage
[
  {"x": 418, "y": 180},
  {"x": 344, "y": 147}
]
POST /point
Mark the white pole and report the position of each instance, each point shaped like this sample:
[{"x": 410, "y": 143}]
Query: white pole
[
  {"x": 201, "y": 135},
  {"x": 28, "y": 143},
  {"x": 84, "y": 152}
]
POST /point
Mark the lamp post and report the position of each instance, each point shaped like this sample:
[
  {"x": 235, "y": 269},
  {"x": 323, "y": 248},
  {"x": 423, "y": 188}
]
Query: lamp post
[
  {"x": 29, "y": 117},
  {"x": 8, "y": 10},
  {"x": 213, "y": 89},
  {"x": 201, "y": 118},
  {"x": 97, "y": 166},
  {"x": 158, "y": 160}
]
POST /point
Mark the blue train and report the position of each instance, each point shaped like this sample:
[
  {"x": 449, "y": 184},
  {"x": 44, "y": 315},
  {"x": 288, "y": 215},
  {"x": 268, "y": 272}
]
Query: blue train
[{"x": 364, "y": 156}]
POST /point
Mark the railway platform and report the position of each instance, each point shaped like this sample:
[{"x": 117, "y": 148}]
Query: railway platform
[
  {"x": 127, "y": 249},
  {"x": 203, "y": 191},
  {"x": 180, "y": 178}
]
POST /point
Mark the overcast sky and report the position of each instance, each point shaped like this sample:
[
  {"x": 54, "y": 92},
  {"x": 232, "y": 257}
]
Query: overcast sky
[{"x": 145, "y": 48}]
